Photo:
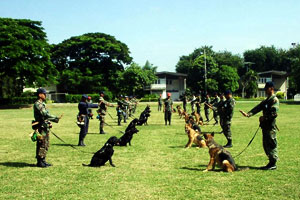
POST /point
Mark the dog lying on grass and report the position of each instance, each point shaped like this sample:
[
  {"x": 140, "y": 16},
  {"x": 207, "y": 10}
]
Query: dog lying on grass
[
  {"x": 219, "y": 155},
  {"x": 127, "y": 137},
  {"x": 144, "y": 116},
  {"x": 104, "y": 154},
  {"x": 194, "y": 137}
]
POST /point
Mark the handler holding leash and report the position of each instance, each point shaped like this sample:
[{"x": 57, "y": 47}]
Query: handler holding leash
[
  {"x": 270, "y": 107},
  {"x": 42, "y": 125},
  {"x": 102, "y": 111}
]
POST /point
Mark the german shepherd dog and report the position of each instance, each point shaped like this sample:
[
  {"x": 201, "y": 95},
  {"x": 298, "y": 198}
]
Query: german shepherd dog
[
  {"x": 199, "y": 119},
  {"x": 194, "y": 137},
  {"x": 218, "y": 155},
  {"x": 144, "y": 116},
  {"x": 104, "y": 154},
  {"x": 180, "y": 111},
  {"x": 127, "y": 137}
]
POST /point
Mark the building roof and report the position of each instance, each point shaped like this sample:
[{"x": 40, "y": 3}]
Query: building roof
[
  {"x": 170, "y": 73},
  {"x": 273, "y": 72}
]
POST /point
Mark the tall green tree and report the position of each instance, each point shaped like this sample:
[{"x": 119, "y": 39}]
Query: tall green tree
[
  {"x": 89, "y": 62},
  {"x": 133, "y": 79},
  {"x": 248, "y": 82},
  {"x": 228, "y": 78},
  {"x": 24, "y": 56}
]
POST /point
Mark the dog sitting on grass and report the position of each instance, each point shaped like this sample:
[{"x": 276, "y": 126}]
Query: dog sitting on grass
[
  {"x": 219, "y": 155},
  {"x": 194, "y": 137},
  {"x": 127, "y": 137},
  {"x": 104, "y": 154},
  {"x": 180, "y": 111},
  {"x": 198, "y": 118},
  {"x": 144, "y": 116}
]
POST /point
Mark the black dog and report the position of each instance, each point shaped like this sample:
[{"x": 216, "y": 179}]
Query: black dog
[
  {"x": 104, "y": 154},
  {"x": 127, "y": 137},
  {"x": 144, "y": 116}
]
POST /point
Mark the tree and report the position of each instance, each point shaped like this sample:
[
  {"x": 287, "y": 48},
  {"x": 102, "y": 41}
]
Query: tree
[
  {"x": 134, "y": 78},
  {"x": 24, "y": 56},
  {"x": 249, "y": 81},
  {"x": 89, "y": 62},
  {"x": 228, "y": 78}
]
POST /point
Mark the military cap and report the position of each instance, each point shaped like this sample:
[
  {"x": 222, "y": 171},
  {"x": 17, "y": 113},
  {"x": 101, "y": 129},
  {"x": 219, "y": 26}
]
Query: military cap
[
  {"x": 85, "y": 96},
  {"x": 269, "y": 84},
  {"x": 41, "y": 91},
  {"x": 101, "y": 92},
  {"x": 227, "y": 92},
  {"x": 169, "y": 94},
  {"x": 121, "y": 95}
]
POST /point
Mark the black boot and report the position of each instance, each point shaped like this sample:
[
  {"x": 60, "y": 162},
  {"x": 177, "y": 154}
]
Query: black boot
[
  {"x": 102, "y": 131},
  {"x": 81, "y": 143},
  {"x": 47, "y": 164},
  {"x": 229, "y": 144},
  {"x": 40, "y": 163},
  {"x": 269, "y": 166}
]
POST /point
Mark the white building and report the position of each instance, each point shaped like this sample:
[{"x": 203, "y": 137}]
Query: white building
[
  {"x": 279, "y": 78},
  {"x": 172, "y": 82}
]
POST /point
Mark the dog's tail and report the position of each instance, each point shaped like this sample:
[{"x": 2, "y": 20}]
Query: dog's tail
[{"x": 85, "y": 165}]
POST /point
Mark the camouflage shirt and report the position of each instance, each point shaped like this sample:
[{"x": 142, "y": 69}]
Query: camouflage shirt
[
  {"x": 168, "y": 105},
  {"x": 227, "y": 109},
  {"x": 41, "y": 113},
  {"x": 270, "y": 108},
  {"x": 102, "y": 106}
]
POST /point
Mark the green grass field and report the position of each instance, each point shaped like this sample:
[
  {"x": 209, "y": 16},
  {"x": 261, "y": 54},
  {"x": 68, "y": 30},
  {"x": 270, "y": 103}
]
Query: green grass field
[{"x": 156, "y": 166}]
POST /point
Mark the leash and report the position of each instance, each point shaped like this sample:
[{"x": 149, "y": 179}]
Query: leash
[
  {"x": 113, "y": 127},
  {"x": 248, "y": 143},
  {"x": 73, "y": 146}
]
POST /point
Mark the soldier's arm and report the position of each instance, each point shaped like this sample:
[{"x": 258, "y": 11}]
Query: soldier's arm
[
  {"x": 92, "y": 105},
  {"x": 256, "y": 109},
  {"x": 46, "y": 115}
]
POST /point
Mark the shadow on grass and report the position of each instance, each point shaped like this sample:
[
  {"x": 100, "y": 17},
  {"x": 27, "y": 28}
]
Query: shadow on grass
[
  {"x": 203, "y": 167},
  {"x": 64, "y": 145},
  {"x": 17, "y": 164},
  {"x": 177, "y": 147}
]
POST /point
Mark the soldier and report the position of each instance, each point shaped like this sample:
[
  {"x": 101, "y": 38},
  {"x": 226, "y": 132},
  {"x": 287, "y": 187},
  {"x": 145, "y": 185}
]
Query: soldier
[
  {"x": 270, "y": 108},
  {"x": 226, "y": 115},
  {"x": 82, "y": 118},
  {"x": 134, "y": 102},
  {"x": 193, "y": 100},
  {"x": 90, "y": 114},
  {"x": 215, "y": 103},
  {"x": 198, "y": 104},
  {"x": 168, "y": 108},
  {"x": 102, "y": 110},
  {"x": 121, "y": 110},
  {"x": 206, "y": 107},
  {"x": 127, "y": 107},
  {"x": 160, "y": 102},
  {"x": 42, "y": 126}
]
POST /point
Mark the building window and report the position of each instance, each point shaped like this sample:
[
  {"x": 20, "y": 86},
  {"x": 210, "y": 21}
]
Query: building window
[
  {"x": 169, "y": 82},
  {"x": 264, "y": 80}
]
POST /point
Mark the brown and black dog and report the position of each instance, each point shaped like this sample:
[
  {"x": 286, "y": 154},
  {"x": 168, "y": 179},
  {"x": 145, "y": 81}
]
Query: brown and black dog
[
  {"x": 219, "y": 155},
  {"x": 194, "y": 137},
  {"x": 198, "y": 118},
  {"x": 179, "y": 110}
]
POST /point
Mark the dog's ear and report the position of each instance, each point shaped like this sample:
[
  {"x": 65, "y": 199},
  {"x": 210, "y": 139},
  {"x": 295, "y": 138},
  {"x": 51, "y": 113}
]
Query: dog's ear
[
  {"x": 213, "y": 134},
  {"x": 205, "y": 136}
]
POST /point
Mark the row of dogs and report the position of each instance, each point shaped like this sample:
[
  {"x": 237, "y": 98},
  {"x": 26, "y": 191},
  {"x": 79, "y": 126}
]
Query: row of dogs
[
  {"x": 218, "y": 154},
  {"x": 106, "y": 152}
]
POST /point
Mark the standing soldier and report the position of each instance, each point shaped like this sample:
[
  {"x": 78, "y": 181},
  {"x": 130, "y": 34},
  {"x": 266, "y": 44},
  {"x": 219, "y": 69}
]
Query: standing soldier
[
  {"x": 121, "y": 110},
  {"x": 90, "y": 115},
  {"x": 198, "y": 104},
  {"x": 160, "y": 102},
  {"x": 270, "y": 108},
  {"x": 227, "y": 114},
  {"x": 42, "y": 126},
  {"x": 215, "y": 103},
  {"x": 193, "y": 100},
  {"x": 102, "y": 110},
  {"x": 82, "y": 118},
  {"x": 168, "y": 108},
  {"x": 184, "y": 102},
  {"x": 206, "y": 107},
  {"x": 127, "y": 107},
  {"x": 134, "y": 103}
]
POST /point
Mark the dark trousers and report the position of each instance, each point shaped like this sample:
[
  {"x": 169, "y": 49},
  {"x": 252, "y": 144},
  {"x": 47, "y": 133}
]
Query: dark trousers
[
  {"x": 270, "y": 144},
  {"x": 84, "y": 129},
  {"x": 207, "y": 113},
  {"x": 168, "y": 116},
  {"x": 159, "y": 107},
  {"x": 184, "y": 107},
  {"x": 226, "y": 127}
]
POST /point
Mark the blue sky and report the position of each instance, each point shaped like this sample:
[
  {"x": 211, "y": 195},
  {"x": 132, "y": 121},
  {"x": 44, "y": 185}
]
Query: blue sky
[{"x": 163, "y": 30}]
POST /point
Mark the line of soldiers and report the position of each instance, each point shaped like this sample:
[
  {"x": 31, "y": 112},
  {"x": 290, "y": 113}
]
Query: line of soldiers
[{"x": 126, "y": 107}]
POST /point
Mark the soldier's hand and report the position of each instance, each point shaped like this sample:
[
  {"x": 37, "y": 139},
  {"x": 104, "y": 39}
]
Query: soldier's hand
[{"x": 244, "y": 113}]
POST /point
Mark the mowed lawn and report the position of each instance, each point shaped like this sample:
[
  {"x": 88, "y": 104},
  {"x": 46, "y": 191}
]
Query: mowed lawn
[{"x": 156, "y": 166}]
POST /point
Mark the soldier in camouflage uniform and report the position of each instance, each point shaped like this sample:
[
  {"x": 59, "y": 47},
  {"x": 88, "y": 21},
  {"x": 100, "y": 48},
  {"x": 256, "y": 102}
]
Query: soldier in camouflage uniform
[
  {"x": 168, "y": 108},
  {"x": 134, "y": 103},
  {"x": 102, "y": 110},
  {"x": 42, "y": 118},
  {"x": 270, "y": 108},
  {"x": 198, "y": 104},
  {"x": 121, "y": 108},
  {"x": 206, "y": 107},
  {"x": 226, "y": 115},
  {"x": 184, "y": 101},
  {"x": 215, "y": 103}
]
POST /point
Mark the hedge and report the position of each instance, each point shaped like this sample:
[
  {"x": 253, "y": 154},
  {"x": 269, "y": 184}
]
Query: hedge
[{"x": 75, "y": 98}]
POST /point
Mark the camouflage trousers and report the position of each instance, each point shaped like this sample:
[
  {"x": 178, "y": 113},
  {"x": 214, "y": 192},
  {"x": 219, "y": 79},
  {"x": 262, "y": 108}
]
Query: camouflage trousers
[
  {"x": 270, "y": 144},
  {"x": 216, "y": 116},
  {"x": 226, "y": 127},
  {"x": 206, "y": 111},
  {"x": 42, "y": 144},
  {"x": 168, "y": 116},
  {"x": 102, "y": 121}
]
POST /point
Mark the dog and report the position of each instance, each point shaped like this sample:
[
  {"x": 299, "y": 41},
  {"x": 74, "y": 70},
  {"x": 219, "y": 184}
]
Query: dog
[
  {"x": 219, "y": 155},
  {"x": 198, "y": 118},
  {"x": 144, "y": 116},
  {"x": 104, "y": 154},
  {"x": 128, "y": 135},
  {"x": 194, "y": 137},
  {"x": 180, "y": 111},
  {"x": 186, "y": 116}
]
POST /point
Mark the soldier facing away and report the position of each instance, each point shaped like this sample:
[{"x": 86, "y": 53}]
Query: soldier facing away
[
  {"x": 270, "y": 108},
  {"x": 102, "y": 110},
  {"x": 168, "y": 108},
  {"x": 42, "y": 126},
  {"x": 160, "y": 102},
  {"x": 206, "y": 107}
]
